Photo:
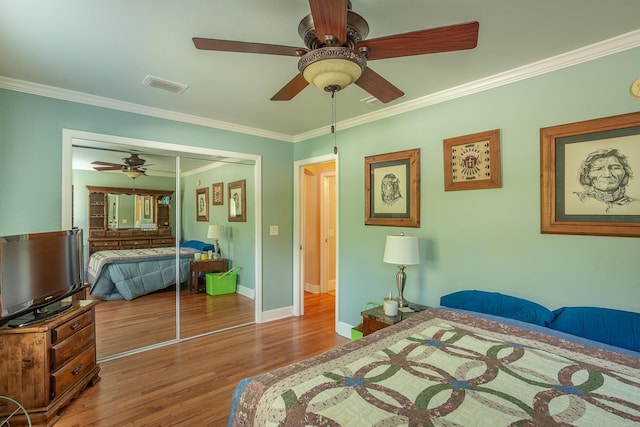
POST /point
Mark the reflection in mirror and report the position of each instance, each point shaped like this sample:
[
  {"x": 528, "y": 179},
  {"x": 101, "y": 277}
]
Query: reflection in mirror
[
  {"x": 124, "y": 326},
  {"x": 216, "y": 301}
]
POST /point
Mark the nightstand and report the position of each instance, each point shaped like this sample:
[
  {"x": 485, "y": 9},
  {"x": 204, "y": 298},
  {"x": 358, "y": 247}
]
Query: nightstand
[
  {"x": 374, "y": 319},
  {"x": 205, "y": 266}
]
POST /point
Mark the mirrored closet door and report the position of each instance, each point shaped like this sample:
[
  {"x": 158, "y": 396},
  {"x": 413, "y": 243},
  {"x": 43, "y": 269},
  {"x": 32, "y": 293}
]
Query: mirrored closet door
[{"x": 153, "y": 214}]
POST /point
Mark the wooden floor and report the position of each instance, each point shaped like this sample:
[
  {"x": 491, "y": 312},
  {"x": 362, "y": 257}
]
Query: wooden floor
[
  {"x": 190, "y": 383},
  {"x": 123, "y": 325}
]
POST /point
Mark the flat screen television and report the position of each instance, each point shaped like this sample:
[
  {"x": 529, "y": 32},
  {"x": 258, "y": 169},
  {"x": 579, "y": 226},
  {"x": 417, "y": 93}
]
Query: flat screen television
[{"x": 37, "y": 272}]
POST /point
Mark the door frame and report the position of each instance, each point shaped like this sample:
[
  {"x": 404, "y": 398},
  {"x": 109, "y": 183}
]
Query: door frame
[{"x": 298, "y": 259}]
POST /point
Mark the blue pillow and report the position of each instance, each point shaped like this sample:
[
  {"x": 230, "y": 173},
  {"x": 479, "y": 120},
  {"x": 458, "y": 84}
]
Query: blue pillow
[
  {"x": 198, "y": 245},
  {"x": 615, "y": 327},
  {"x": 499, "y": 305}
]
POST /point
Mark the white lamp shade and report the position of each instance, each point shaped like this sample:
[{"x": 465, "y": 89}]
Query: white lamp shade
[
  {"x": 215, "y": 232},
  {"x": 401, "y": 250}
]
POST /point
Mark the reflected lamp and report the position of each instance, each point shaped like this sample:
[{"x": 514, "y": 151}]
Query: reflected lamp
[{"x": 216, "y": 232}]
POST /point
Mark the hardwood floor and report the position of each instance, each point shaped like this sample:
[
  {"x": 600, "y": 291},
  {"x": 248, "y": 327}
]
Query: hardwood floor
[
  {"x": 191, "y": 383},
  {"x": 123, "y": 325}
]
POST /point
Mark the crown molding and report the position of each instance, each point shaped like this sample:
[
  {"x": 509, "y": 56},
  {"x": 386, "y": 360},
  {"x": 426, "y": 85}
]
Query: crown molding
[
  {"x": 588, "y": 53},
  {"x": 114, "y": 104}
]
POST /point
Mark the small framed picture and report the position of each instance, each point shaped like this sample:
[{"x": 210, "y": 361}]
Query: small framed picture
[
  {"x": 472, "y": 162},
  {"x": 237, "y": 201},
  {"x": 202, "y": 204},
  {"x": 392, "y": 189},
  {"x": 217, "y": 193},
  {"x": 147, "y": 207}
]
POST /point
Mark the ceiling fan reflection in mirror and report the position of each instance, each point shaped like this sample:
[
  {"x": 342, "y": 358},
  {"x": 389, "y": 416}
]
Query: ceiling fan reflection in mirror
[
  {"x": 132, "y": 166},
  {"x": 337, "y": 52}
]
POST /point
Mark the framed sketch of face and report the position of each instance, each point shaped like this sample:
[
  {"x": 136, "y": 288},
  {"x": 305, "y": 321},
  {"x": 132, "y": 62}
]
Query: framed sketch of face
[
  {"x": 237, "y": 201},
  {"x": 392, "y": 189},
  {"x": 202, "y": 204},
  {"x": 587, "y": 177}
]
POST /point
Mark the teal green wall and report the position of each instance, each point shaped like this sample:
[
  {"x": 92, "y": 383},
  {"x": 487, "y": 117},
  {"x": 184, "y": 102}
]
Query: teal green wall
[
  {"x": 482, "y": 239},
  {"x": 239, "y": 246},
  {"x": 31, "y": 170},
  {"x": 487, "y": 239}
]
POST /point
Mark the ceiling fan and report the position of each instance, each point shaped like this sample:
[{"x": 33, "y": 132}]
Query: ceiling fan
[
  {"x": 337, "y": 51},
  {"x": 132, "y": 166}
]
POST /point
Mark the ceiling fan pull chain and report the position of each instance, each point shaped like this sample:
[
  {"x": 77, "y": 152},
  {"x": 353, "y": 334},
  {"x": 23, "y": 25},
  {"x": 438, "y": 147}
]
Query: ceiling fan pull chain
[{"x": 333, "y": 120}]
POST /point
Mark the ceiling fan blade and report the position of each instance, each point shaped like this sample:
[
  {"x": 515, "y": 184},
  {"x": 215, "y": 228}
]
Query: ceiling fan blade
[
  {"x": 101, "y": 163},
  {"x": 330, "y": 19},
  {"x": 378, "y": 86},
  {"x": 433, "y": 40},
  {"x": 107, "y": 168},
  {"x": 291, "y": 89},
  {"x": 247, "y": 47}
]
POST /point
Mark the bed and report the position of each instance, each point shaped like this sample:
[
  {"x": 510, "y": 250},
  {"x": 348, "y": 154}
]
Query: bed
[
  {"x": 452, "y": 367},
  {"x": 129, "y": 274}
]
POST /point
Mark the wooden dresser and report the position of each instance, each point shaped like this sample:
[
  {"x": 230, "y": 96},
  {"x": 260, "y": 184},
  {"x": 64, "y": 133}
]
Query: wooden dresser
[
  {"x": 149, "y": 205},
  {"x": 48, "y": 364},
  {"x": 129, "y": 239}
]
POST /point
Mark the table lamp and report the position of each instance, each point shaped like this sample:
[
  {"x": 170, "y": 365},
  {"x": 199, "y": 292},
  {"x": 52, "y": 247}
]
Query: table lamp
[
  {"x": 216, "y": 232},
  {"x": 401, "y": 250}
]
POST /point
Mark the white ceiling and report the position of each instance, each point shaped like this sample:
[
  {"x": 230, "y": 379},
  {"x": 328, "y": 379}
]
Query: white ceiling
[{"x": 106, "y": 48}]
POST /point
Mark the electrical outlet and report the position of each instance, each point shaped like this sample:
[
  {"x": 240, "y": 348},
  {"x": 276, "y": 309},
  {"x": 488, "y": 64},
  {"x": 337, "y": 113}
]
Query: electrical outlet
[{"x": 273, "y": 230}]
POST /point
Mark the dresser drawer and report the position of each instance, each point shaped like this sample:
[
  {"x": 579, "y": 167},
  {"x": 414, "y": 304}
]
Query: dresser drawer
[
  {"x": 68, "y": 349},
  {"x": 71, "y": 327},
  {"x": 135, "y": 242},
  {"x": 75, "y": 370},
  {"x": 167, "y": 242},
  {"x": 105, "y": 244}
]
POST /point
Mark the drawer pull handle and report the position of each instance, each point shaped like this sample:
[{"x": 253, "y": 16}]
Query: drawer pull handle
[
  {"x": 75, "y": 325},
  {"x": 77, "y": 369}
]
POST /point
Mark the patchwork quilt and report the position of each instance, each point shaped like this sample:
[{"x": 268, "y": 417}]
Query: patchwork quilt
[
  {"x": 130, "y": 273},
  {"x": 447, "y": 368}
]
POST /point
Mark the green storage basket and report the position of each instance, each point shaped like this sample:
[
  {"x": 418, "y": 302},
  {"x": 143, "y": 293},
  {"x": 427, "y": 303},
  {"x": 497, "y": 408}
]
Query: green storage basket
[{"x": 222, "y": 283}]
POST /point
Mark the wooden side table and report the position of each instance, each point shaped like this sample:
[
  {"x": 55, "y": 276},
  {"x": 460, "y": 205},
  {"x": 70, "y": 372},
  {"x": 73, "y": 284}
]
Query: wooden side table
[
  {"x": 202, "y": 266},
  {"x": 374, "y": 319}
]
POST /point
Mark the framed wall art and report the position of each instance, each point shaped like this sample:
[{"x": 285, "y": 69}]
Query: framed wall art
[
  {"x": 237, "y": 201},
  {"x": 217, "y": 193},
  {"x": 587, "y": 183},
  {"x": 146, "y": 207},
  {"x": 472, "y": 162},
  {"x": 202, "y": 204},
  {"x": 392, "y": 189}
]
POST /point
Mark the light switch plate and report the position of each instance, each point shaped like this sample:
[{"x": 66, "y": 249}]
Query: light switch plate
[{"x": 273, "y": 230}]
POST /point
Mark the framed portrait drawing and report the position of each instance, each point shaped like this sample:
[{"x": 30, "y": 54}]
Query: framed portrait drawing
[
  {"x": 587, "y": 183},
  {"x": 202, "y": 204},
  {"x": 146, "y": 209},
  {"x": 472, "y": 162},
  {"x": 217, "y": 194},
  {"x": 392, "y": 189},
  {"x": 237, "y": 201}
]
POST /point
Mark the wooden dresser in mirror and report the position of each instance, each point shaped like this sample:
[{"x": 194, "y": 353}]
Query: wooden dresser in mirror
[{"x": 126, "y": 218}]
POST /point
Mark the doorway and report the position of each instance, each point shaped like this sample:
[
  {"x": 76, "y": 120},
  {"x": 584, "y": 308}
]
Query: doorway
[{"x": 315, "y": 228}]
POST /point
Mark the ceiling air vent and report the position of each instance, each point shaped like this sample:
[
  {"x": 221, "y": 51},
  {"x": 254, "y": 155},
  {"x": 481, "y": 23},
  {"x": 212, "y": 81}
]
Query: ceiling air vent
[
  {"x": 164, "y": 84},
  {"x": 371, "y": 101}
]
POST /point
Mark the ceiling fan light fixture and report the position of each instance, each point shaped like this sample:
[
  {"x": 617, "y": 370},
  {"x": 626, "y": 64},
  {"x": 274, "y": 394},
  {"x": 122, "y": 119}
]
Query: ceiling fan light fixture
[
  {"x": 133, "y": 174},
  {"x": 332, "y": 68}
]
